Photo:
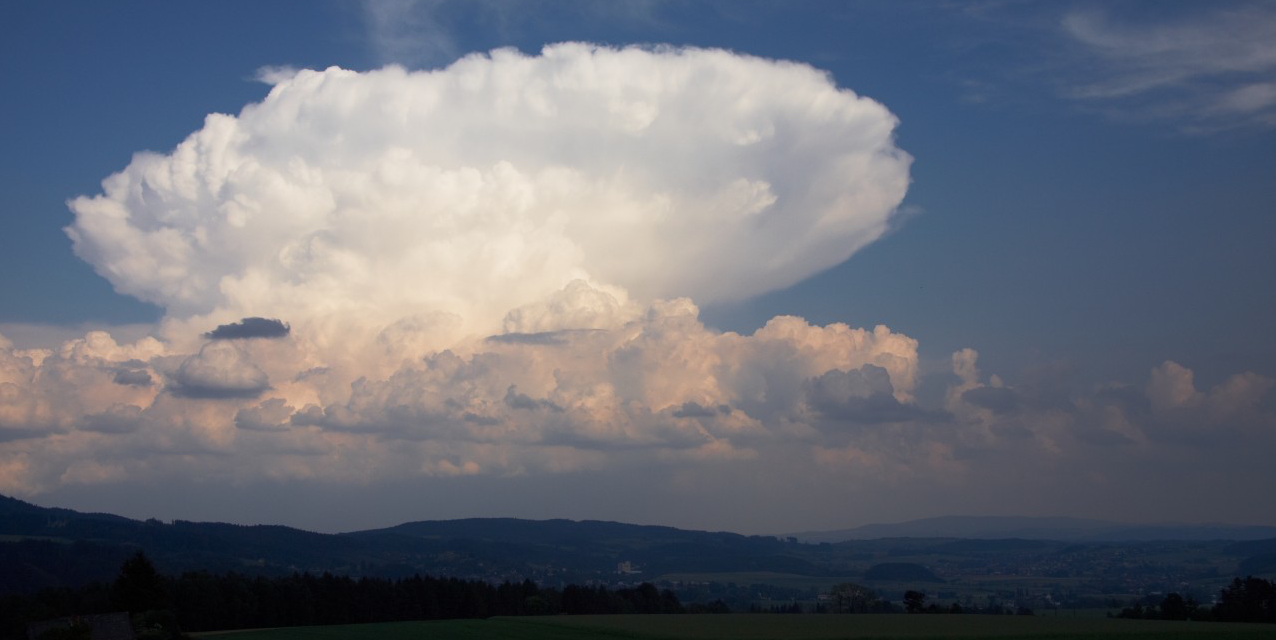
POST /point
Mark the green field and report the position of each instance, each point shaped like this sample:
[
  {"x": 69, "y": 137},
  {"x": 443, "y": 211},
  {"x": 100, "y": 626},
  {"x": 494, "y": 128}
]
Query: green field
[{"x": 766, "y": 627}]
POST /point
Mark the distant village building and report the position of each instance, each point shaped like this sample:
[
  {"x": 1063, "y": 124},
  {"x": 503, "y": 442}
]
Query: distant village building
[
  {"x": 106, "y": 626},
  {"x": 626, "y": 567}
]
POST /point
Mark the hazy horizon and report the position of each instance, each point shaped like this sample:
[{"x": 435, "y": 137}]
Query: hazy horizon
[{"x": 964, "y": 520}]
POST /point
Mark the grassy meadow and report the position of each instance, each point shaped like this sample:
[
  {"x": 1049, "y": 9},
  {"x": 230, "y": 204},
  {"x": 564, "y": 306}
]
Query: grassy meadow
[{"x": 766, "y": 627}]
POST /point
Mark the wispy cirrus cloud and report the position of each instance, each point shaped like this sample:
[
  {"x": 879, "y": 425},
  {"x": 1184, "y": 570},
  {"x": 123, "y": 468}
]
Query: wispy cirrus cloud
[
  {"x": 1195, "y": 67},
  {"x": 413, "y": 33},
  {"x": 422, "y": 34},
  {"x": 1212, "y": 67}
]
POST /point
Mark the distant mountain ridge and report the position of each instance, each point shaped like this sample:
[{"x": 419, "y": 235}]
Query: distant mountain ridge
[
  {"x": 49, "y": 547},
  {"x": 1040, "y": 528}
]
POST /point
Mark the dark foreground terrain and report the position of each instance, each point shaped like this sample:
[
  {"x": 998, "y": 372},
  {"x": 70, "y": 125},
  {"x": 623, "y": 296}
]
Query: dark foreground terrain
[
  {"x": 766, "y": 627},
  {"x": 59, "y": 548}
]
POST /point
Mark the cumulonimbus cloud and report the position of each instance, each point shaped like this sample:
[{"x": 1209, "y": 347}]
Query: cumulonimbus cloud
[
  {"x": 494, "y": 268},
  {"x": 494, "y": 182},
  {"x": 491, "y": 265}
]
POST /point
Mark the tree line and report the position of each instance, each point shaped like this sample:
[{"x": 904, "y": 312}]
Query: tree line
[
  {"x": 1248, "y": 600},
  {"x": 849, "y": 597},
  {"x": 1244, "y": 600},
  {"x": 164, "y": 607}
]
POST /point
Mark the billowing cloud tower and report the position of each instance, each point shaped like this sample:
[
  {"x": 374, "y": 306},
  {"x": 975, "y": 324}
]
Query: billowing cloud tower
[
  {"x": 490, "y": 268},
  {"x": 470, "y": 191}
]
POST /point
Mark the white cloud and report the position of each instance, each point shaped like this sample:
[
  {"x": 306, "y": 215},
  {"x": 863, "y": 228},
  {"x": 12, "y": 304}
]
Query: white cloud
[
  {"x": 220, "y": 370},
  {"x": 656, "y": 383},
  {"x": 1171, "y": 386},
  {"x": 274, "y": 74},
  {"x": 1167, "y": 412},
  {"x": 796, "y": 404},
  {"x": 662, "y": 380},
  {"x": 482, "y": 269},
  {"x": 352, "y": 200}
]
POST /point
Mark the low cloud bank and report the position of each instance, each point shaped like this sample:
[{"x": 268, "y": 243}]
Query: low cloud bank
[{"x": 658, "y": 389}]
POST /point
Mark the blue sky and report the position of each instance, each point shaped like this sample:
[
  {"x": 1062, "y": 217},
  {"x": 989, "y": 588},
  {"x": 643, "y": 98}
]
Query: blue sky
[{"x": 1090, "y": 196}]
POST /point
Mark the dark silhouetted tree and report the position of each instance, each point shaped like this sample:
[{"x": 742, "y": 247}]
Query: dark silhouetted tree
[
  {"x": 1175, "y": 607},
  {"x": 853, "y": 598},
  {"x": 1249, "y": 600},
  {"x": 914, "y": 601},
  {"x": 139, "y": 586}
]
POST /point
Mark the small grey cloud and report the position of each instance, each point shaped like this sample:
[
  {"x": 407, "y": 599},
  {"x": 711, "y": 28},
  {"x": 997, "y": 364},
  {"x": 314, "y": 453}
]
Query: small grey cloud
[
  {"x": 271, "y": 415},
  {"x": 995, "y": 399},
  {"x": 11, "y": 434},
  {"x": 483, "y": 421},
  {"x": 333, "y": 417},
  {"x": 310, "y": 373},
  {"x": 696, "y": 410},
  {"x": 542, "y": 338},
  {"x": 1129, "y": 398},
  {"x": 1015, "y": 431},
  {"x": 250, "y": 328},
  {"x": 516, "y": 400},
  {"x": 132, "y": 378},
  {"x": 394, "y": 422},
  {"x": 219, "y": 370},
  {"x": 863, "y": 382},
  {"x": 878, "y": 408},
  {"x": 547, "y": 338},
  {"x": 1097, "y": 435},
  {"x": 310, "y": 416},
  {"x": 119, "y": 418},
  {"x": 863, "y": 395}
]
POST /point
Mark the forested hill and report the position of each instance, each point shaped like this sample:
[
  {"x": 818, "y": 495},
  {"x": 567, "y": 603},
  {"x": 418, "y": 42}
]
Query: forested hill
[
  {"x": 55, "y": 547},
  {"x": 44, "y": 547}
]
